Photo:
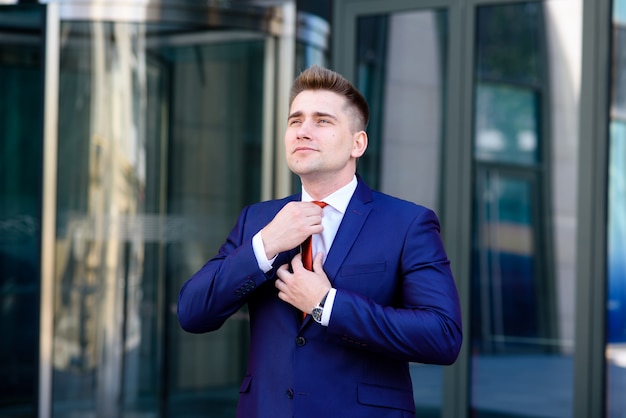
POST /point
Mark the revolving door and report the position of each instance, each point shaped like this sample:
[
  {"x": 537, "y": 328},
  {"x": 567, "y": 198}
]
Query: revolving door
[{"x": 156, "y": 123}]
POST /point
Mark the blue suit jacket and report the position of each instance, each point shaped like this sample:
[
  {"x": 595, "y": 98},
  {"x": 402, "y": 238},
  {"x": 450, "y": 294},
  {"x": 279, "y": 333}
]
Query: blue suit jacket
[{"x": 396, "y": 302}]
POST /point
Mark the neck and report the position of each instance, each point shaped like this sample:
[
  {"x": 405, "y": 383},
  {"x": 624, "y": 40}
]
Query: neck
[{"x": 319, "y": 188}]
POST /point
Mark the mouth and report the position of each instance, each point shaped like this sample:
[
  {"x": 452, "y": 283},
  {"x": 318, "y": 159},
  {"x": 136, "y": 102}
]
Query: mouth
[{"x": 303, "y": 149}]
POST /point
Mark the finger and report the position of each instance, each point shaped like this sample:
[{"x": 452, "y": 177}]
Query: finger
[
  {"x": 317, "y": 262},
  {"x": 296, "y": 262},
  {"x": 280, "y": 285},
  {"x": 282, "y": 296},
  {"x": 283, "y": 271}
]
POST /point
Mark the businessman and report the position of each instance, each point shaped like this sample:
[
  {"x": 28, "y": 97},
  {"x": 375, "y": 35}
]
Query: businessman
[{"x": 333, "y": 339}]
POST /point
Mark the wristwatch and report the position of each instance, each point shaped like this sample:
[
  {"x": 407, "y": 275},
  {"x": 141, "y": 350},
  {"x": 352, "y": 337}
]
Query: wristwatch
[{"x": 317, "y": 311}]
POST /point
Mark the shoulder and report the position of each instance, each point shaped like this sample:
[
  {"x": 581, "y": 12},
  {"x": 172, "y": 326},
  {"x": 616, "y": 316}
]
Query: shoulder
[
  {"x": 367, "y": 195},
  {"x": 390, "y": 213},
  {"x": 394, "y": 206},
  {"x": 383, "y": 203}
]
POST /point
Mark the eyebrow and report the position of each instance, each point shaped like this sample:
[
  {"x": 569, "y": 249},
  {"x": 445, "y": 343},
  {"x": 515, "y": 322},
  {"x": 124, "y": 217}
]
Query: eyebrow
[{"x": 299, "y": 113}]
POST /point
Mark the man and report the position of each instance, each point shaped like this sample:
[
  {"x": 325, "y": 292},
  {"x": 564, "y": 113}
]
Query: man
[{"x": 381, "y": 291}]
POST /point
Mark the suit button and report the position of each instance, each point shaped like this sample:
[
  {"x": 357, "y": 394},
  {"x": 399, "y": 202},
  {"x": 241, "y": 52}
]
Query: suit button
[
  {"x": 289, "y": 393},
  {"x": 300, "y": 341}
]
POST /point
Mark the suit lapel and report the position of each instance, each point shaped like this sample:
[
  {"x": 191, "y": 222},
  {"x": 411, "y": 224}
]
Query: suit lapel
[{"x": 353, "y": 220}]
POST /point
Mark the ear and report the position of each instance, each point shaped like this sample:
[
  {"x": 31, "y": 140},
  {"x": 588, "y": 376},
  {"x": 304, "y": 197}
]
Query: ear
[{"x": 359, "y": 144}]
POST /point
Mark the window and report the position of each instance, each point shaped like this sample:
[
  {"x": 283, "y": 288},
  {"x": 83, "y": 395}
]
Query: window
[{"x": 525, "y": 166}]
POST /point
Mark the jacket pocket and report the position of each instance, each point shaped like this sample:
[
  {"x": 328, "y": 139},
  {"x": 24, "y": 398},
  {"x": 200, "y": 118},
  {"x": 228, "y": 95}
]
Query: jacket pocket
[
  {"x": 385, "y": 397},
  {"x": 245, "y": 385},
  {"x": 357, "y": 269}
]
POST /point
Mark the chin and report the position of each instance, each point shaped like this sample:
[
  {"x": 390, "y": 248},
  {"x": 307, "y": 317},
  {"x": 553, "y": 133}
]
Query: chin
[{"x": 301, "y": 168}]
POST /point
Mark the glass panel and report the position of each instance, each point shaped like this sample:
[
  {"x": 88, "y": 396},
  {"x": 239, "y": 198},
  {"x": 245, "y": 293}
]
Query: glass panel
[
  {"x": 524, "y": 251},
  {"x": 154, "y": 166},
  {"x": 505, "y": 265},
  {"x": 506, "y": 123},
  {"x": 214, "y": 170},
  {"x": 401, "y": 63},
  {"x": 497, "y": 58},
  {"x": 313, "y": 36},
  {"x": 616, "y": 261},
  {"x": 21, "y": 104},
  {"x": 616, "y": 288}
]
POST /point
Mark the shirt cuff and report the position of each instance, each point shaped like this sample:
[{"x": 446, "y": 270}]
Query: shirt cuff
[
  {"x": 328, "y": 306},
  {"x": 259, "y": 252}
]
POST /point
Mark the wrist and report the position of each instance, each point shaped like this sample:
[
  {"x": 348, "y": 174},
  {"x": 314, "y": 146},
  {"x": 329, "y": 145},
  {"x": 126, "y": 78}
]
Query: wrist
[
  {"x": 318, "y": 310},
  {"x": 270, "y": 252},
  {"x": 323, "y": 299}
]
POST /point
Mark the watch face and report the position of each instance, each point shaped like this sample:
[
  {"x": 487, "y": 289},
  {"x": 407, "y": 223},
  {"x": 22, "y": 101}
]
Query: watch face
[{"x": 316, "y": 313}]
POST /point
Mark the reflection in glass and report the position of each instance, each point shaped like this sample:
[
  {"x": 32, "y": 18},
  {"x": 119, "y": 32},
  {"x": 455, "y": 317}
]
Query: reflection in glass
[
  {"x": 506, "y": 268},
  {"x": 506, "y": 124},
  {"x": 523, "y": 255},
  {"x": 401, "y": 67},
  {"x": 154, "y": 165},
  {"x": 616, "y": 229},
  {"x": 214, "y": 169},
  {"x": 313, "y": 38}
]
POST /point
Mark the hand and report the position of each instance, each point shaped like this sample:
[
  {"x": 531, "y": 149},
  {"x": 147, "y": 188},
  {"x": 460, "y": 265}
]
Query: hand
[
  {"x": 303, "y": 289},
  {"x": 292, "y": 224}
]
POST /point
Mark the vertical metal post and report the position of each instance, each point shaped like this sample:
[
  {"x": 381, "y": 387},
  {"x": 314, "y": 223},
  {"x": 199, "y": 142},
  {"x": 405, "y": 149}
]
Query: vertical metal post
[
  {"x": 589, "y": 359},
  {"x": 48, "y": 218},
  {"x": 269, "y": 129},
  {"x": 285, "y": 74},
  {"x": 457, "y": 193}
]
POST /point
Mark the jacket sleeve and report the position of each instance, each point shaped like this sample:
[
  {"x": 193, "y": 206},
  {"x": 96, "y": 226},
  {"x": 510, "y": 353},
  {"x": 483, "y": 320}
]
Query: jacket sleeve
[
  {"x": 222, "y": 285},
  {"x": 425, "y": 324}
]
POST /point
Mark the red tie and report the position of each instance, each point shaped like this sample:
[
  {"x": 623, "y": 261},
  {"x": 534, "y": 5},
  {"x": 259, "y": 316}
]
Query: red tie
[{"x": 307, "y": 248}]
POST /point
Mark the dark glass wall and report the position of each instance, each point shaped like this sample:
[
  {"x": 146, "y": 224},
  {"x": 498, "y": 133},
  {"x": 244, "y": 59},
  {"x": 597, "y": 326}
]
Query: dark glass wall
[{"x": 21, "y": 144}]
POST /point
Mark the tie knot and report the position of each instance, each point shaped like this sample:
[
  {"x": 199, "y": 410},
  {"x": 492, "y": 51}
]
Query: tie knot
[{"x": 320, "y": 204}]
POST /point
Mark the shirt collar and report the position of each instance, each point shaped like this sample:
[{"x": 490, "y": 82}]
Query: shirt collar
[{"x": 338, "y": 199}]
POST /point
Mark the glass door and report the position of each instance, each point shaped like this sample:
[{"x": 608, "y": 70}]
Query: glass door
[
  {"x": 21, "y": 145},
  {"x": 214, "y": 169},
  {"x": 161, "y": 135}
]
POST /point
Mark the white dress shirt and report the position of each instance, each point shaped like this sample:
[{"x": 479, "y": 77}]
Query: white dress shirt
[{"x": 337, "y": 204}]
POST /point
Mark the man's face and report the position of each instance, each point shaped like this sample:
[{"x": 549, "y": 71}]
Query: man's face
[{"x": 320, "y": 142}]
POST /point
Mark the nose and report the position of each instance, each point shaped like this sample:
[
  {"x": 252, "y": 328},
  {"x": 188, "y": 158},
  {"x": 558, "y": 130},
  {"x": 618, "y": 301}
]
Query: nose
[{"x": 304, "y": 131}]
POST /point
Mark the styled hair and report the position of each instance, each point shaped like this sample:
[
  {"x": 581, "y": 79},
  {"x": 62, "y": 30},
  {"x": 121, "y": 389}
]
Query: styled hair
[{"x": 320, "y": 78}]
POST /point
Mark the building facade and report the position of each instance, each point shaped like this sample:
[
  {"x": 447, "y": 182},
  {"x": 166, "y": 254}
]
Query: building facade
[{"x": 133, "y": 132}]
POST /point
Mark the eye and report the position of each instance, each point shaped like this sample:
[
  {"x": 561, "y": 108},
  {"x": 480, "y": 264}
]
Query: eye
[
  {"x": 323, "y": 121},
  {"x": 293, "y": 122}
]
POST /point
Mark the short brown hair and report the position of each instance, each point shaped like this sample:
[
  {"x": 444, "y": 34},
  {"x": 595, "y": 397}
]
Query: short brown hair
[{"x": 320, "y": 78}]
